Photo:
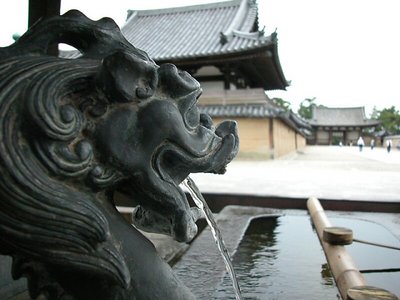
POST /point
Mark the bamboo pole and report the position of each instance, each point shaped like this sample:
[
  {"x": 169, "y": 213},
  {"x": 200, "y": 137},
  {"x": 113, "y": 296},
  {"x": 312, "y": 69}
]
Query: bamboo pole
[
  {"x": 350, "y": 282},
  {"x": 342, "y": 266}
]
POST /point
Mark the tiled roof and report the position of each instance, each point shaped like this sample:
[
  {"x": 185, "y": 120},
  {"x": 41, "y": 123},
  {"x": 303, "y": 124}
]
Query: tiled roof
[
  {"x": 341, "y": 116},
  {"x": 299, "y": 121},
  {"x": 259, "y": 110},
  {"x": 240, "y": 110},
  {"x": 197, "y": 31},
  {"x": 209, "y": 34}
]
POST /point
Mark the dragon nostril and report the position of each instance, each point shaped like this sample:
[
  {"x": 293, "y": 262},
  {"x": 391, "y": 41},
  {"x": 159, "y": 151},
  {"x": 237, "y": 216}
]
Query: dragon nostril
[
  {"x": 225, "y": 128},
  {"x": 144, "y": 93}
]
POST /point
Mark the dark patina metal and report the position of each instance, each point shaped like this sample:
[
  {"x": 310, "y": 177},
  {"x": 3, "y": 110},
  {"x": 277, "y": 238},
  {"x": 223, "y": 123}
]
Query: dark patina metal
[{"x": 72, "y": 131}]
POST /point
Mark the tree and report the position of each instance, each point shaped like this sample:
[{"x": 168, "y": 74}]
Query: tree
[
  {"x": 306, "y": 107},
  {"x": 390, "y": 118},
  {"x": 374, "y": 114},
  {"x": 285, "y": 105}
]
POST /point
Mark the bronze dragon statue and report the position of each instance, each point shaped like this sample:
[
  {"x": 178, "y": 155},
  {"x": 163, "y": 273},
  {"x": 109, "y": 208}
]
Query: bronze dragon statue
[{"x": 72, "y": 132}]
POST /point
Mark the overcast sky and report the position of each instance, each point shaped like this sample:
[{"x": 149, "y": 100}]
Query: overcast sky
[{"x": 343, "y": 52}]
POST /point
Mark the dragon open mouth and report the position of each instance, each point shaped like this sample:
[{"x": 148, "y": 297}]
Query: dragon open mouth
[
  {"x": 174, "y": 140},
  {"x": 207, "y": 149}
]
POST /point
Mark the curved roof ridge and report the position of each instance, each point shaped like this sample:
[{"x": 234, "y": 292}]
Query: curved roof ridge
[
  {"x": 250, "y": 35},
  {"x": 251, "y": 19},
  {"x": 237, "y": 21}
]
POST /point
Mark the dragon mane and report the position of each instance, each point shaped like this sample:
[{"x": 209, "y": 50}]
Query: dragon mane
[{"x": 43, "y": 138}]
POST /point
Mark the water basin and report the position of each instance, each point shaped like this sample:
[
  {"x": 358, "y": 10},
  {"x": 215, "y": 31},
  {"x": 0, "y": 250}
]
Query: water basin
[{"x": 278, "y": 256}]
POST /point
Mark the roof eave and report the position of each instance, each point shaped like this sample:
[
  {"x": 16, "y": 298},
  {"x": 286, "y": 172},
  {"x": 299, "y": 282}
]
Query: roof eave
[
  {"x": 372, "y": 124},
  {"x": 263, "y": 55}
]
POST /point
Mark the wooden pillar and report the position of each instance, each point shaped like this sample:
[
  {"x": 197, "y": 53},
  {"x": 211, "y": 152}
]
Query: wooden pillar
[
  {"x": 330, "y": 136},
  {"x": 271, "y": 137},
  {"x": 227, "y": 76}
]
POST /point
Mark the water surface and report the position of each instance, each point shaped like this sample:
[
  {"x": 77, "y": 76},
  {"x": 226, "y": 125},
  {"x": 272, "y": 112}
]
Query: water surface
[{"x": 280, "y": 258}]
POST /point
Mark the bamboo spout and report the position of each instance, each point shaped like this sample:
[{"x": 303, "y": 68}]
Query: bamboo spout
[
  {"x": 350, "y": 282},
  {"x": 342, "y": 266}
]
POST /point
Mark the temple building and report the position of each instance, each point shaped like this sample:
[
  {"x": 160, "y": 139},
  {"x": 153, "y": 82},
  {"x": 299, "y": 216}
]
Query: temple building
[
  {"x": 342, "y": 124},
  {"x": 222, "y": 46}
]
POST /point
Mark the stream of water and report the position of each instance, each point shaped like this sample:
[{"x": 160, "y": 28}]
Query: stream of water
[{"x": 202, "y": 204}]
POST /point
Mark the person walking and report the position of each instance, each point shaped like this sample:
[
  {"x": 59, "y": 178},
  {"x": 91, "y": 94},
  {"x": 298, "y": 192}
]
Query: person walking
[
  {"x": 372, "y": 144},
  {"x": 360, "y": 143},
  {"x": 389, "y": 145}
]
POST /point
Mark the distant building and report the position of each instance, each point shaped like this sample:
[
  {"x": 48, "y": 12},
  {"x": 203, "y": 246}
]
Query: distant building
[
  {"x": 221, "y": 45},
  {"x": 218, "y": 43},
  {"x": 332, "y": 125},
  {"x": 265, "y": 130}
]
